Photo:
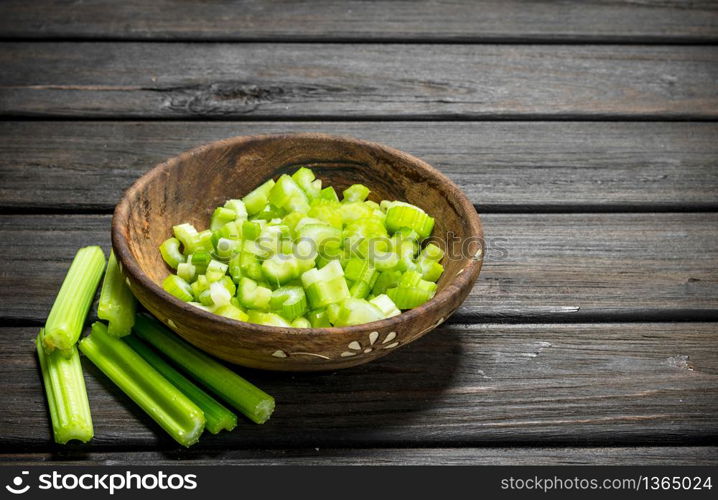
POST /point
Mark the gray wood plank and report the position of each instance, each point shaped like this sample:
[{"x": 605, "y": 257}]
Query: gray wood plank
[
  {"x": 635, "y": 456},
  {"x": 551, "y": 384},
  {"x": 499, "y": 165},
  {"x": 548, "y": 266},
  {"x": 463, "y": 20},
  {"x": 394, "y": 81}
]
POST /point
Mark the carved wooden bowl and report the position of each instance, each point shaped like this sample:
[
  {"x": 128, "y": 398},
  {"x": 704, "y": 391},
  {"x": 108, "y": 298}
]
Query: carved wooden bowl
[{"x": 188, "y": 187}]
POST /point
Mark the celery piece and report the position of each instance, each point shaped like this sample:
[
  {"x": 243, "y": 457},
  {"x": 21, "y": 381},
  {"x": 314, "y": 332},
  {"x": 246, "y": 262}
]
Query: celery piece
[
  {"x": 305, "y": 179},
  {"x": 226, "y": 248},
  {"x": 187, "y": 271},
  {"x": 326, "y": 211},
  {"x": 245, "y": 397},
  {"x": 409, "y": 216},
  {"x": 318, "y": 318},
  {"x": 68, "y": 313},
  {"x": 386, "y": 305},
  {"x": 172, "y": 410},
  {"x": 408, "y": 298},
  {"x": 256, "y": 200},
  {"x": 217, "y": 416},
  {"x": 431, "y": 270},
  {"x": 187, "y": 235},
  {"x": 289, "y": 301},
  {"x": 171, "y": 252},
  {"x": 280, "y": 269},
  {"x": 432, "y": 252},
  {"x": 231, "y": 311},
  {"x": 66, "y": 394},
  {"x": 268, "y": 319},
  {"x": 251, "y": 230},
  {"x": 235, "y": 267},
  {"x": 356, "y": 312},
  {"x": 359, "y": 270},
  {"x": 301, "y": 322},
  {"x": 328, "y": 193},
  {"x": 356, "y": 192},
  {"x": 220, "y": 217},
  {"x": 287, "y": 192},
  {"x": 200, "y": 260},
  {"x": 117, "y": 304},
  {"x": 203, "y": 242},
  {"x": 386, "y": 280},
  {"x": 174, "y": 285},
  {"x": 199, "y": 286},
  {"x": 253, "y": 296},
  {"x": 237, "y": 206},
  {"x": 216, "y": 270}
]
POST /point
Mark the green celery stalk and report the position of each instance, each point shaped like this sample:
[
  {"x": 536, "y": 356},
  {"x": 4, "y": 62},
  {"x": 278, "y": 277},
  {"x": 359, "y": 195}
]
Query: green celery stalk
[
  {"x": 68, "y": 313},
  {"x": 245, "y": 397},
  {"x": 66, "y": 394},
  {"x": 117, "y": 304},
  {"x": 217, "y": 416},
  {"x": 172, "y": 410}
]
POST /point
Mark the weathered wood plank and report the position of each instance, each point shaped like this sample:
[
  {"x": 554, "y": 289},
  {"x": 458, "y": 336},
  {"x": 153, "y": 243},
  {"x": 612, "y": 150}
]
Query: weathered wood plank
[
  {"x": 562, "y": 384},
  {"x": 232, "y": 81},
  {"x": 499, "y": 165},
  {"x": 552, "y": 266},
  {"x": 641, "y": 455},
  {"x": 464, "y": 20}
]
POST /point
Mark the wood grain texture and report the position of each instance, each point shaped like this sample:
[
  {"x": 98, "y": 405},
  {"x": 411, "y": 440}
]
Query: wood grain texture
[
  {"x": 499, "y": 165},
  {"x": 463, "y": 20},
  {"x": 635, "y": 455},
  {"x": 395, "y": 81},
  {"x": 562, "y": 384},
  {"x": 549, "y": 266}
]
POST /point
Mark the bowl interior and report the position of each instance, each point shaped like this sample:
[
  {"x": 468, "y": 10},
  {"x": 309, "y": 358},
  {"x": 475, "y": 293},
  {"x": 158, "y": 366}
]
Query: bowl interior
[{"x": 189, "y": 187}]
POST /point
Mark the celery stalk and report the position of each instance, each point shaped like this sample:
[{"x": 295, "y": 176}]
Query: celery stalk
[
  {"x": 66, "y": 394},
  {"x": 245, "y": 397},
  {"x": 64, "y": 324},
  {"x": 172, "y": 410},
  {"x": 117, "y": 304},
  {"x": 217, "y": 416}
]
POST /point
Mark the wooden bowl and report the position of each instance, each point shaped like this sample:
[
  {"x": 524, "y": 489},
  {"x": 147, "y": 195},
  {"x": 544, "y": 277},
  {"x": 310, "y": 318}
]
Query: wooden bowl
[{"x": 186, "y": 188}]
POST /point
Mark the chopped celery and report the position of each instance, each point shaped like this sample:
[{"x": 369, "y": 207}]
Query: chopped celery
[
  {"x": 250, "y": 400},
  {"x": 256, "y": 200},
  {"x": 170, "y": 408},
  {"x": 174, "y": 285},
  {"x": 253, "y": 296},
  {"x": 217, "y": 416},
  {"x": 386, "y": 305},
  {"x": 356, "y": 312},
  {"x": 295, "y": 234},
  {"x": 68, "y": 313},
  {"x": 187, "y": 271},
  {"x": 408, "y": 298},
  {"x": 319, "y": 319},
  {"x": 356, "y": 192},
  {"x": 171, "y": 252},
  {"x": 289, "y": 301},
  {"x": 66, "y": 394},
  {"x": 237, "y": 206},
  {"x": 268, "y": 319},
  {"x": 409, "y": 216},
  {"x": 117, "y": 304},
  {"x": 220, "y": 217},
  {"x": 328, "y": 193},
  {"x": 301, "y": 323}
]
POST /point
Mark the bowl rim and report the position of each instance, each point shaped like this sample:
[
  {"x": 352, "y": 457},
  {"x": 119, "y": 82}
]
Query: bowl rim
[{"x": 129, "y": 264}]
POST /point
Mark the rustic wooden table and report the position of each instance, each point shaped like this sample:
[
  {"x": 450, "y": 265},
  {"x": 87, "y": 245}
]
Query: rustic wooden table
[{"x": 585, "y": 133}]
